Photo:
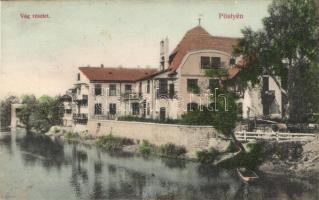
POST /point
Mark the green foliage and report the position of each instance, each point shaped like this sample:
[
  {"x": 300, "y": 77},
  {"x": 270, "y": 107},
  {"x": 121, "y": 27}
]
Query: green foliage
[
  {"x": 56, "y": 130},
  {"x": 232, "y": 148},
  {"x": 250, "y": 160},
  {"x": 215, "y": 72},
  {"x": 195, "y": 89},
  {"x": 40, "y": 114},
  {"x": 263, "y": 151},
  {"x": 171, "y": 150},
  {"x": 140, "y": 119},
  {"x": 111, "y": 143},
  {"x": 207, "y": 156},
  {"x": 71, "y": 136},
  {"x": 26, "y": 110},
  {"x": 145, "y": 147},
  {"x": 198, "y": 117},
  {"x": 286, "y": 46}
]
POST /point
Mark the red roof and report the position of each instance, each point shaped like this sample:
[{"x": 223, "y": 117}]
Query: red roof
[
  {"x": 198, "y": 39},
  {"x": 116, "y": 74}
]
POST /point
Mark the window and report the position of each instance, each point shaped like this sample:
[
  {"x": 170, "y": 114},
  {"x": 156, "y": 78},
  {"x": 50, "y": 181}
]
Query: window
[
  {"x": 97, "y": 89},
  {"x": 171, "y": 90},
  {"x": 148, "y": 88},
  {"x": 140, "y": 88},
  {"x": 112, "y": 91},
  {"x": 191, "y": 85},
  {"x": 163, "y": 86},
  {"x": 213, "y": 83},
  {"x": 84, "y": 101},
  {"x": 205, "y": 62},
  {"x": 216, "y": 62},
  {"x": 135, "y": 109},
  {"x": 112, "y": 108},
  {"x": 128, "y": 88},
  {"x": 97, "y": 109},
  {"x": 232, "y": 61},
  {"x": 192, "y": 106},
  {"x": 79, "y": 76},
  {"x": 148, "y": 109}
]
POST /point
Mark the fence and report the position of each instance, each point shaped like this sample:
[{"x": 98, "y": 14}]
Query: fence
[{"x": 248, "y": 136}]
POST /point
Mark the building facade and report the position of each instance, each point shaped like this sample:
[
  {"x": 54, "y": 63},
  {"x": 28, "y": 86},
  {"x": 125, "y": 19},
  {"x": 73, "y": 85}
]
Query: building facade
[{"x": 180, "y": 83}]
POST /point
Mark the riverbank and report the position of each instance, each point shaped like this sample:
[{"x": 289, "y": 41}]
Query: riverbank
[
  {"x": 304, "y": 165},
  {"x": 33, "y": 164},
  {"x": 294, "y": 158}
]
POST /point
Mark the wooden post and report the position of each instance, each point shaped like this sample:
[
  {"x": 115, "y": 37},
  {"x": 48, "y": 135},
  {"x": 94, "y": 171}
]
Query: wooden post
[{"x": 245, "y": 137}]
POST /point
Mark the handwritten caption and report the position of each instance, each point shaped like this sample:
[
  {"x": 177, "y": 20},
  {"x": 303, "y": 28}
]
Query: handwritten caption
[{"x": 34, "y": 16}]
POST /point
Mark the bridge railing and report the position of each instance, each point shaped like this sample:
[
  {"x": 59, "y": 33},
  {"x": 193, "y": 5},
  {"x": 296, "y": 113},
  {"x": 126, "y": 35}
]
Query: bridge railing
[{"x": 278, "y": 136}]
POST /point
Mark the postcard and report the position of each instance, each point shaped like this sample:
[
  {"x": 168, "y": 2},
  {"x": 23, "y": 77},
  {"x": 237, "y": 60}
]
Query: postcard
[{"x": 159, "y": 100}]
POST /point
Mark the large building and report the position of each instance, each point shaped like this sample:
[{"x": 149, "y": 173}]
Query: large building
[{"x": 179, "y": 84}]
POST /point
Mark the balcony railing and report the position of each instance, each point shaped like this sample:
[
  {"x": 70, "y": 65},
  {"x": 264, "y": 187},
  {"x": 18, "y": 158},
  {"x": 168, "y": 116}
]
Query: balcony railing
[
  {"x": 131, "y": 95},
  {"x": 80, "y": 116},
  {"x": 166, "y": 95}
]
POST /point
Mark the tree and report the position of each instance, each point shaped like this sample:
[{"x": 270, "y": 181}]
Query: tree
[
  {"x": 285, "y": 47},
  {"x": 5, "y": 110},
  {"x": 40, "y": 114},
  {"x": 26, "y": 109},
  {"x": 47, "y": 112},
  {"x": 222, "y": 115}
]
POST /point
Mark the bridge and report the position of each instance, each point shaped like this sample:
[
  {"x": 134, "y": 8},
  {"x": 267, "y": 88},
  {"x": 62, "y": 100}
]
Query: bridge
[{"x": 245, "y": 136}]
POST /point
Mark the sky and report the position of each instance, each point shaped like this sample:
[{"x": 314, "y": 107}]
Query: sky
[{"x": 41, "y": 55}]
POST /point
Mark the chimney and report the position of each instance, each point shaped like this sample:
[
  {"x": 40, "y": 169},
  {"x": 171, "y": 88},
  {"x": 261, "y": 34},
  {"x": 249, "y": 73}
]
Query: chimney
[
  {"x": 102, "y": 66},
  {"x": 164, "y": 49}
]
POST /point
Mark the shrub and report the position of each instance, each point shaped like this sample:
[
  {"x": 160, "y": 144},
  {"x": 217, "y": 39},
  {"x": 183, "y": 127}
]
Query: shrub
[
  {"x": 56, "y": 130},
  {"x": 111, "y": 143},
  {"x": 231, "y": 148},
  {"x": 140, "y": 119},
  {"x": 71, "y": 135},
  {"x": 145, "y": 147},
  {"x": 171, "y": 150},
  {"x": 206, "y": 156}
]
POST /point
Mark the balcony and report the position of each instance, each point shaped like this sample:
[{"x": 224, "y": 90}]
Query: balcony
[
  {"x": 166, "y": 95},
  {"x": 131, "y": 96},
  {"x": 80, "y": 118},
  {"x": 82, "y": 100}
]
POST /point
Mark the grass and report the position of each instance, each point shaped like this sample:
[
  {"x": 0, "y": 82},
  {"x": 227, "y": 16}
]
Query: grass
[
  {"x": 171, "y": 150},
  {"x": 207, "y": 156},
  {"x": 71, "y": 135},
  {"x": 145, "y": 147},
  {"x": 111, "y": 143}
]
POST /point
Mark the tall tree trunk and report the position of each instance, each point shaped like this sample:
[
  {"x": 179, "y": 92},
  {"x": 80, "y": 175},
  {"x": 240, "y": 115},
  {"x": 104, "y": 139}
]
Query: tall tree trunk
[{"x": 236, "y": 142}]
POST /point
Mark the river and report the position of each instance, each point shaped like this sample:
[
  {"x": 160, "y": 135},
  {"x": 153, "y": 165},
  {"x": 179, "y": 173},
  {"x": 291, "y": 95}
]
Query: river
[{"x": 38, "y": 168}]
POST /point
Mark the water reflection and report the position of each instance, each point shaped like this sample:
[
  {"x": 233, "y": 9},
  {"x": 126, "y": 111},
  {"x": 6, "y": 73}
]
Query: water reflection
[
  {"x": 41, "y": 149},
  {"x": 78, "y": 171}
]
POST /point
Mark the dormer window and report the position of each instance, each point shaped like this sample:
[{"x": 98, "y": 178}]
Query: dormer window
[
  {"x": 210, "y": 62},
  {"x": 216, "y": 62},
  {"x": 205, "y": 62}
]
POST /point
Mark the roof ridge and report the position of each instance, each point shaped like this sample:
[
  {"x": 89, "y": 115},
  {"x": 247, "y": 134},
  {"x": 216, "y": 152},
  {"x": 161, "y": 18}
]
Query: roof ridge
[{"x": 95, "y": 67}]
